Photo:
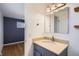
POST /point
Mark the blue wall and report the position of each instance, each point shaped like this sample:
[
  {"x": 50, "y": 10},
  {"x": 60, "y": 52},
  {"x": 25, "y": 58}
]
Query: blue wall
[{"x": 11, "y": 32}]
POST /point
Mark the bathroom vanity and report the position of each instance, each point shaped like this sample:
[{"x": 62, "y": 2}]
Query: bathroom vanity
[{"x": 47, "y": 47}]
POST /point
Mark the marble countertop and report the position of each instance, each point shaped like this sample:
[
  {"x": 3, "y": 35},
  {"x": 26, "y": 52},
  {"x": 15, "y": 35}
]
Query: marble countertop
[{"x": 53, "y": 46}]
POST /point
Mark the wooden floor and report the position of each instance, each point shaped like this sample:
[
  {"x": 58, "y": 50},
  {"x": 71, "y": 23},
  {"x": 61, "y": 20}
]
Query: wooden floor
[{"x": 14, "y": 50}]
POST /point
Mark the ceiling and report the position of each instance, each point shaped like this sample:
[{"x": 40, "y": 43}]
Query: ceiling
[{"x": 14, "y": 10}]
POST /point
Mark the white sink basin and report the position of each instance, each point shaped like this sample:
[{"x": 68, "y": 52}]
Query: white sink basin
[{"x": 48, "y": 42}]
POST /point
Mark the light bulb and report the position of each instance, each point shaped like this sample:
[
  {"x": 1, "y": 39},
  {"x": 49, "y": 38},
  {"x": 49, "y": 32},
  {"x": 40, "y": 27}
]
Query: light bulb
[
  {"x": 60, "y": 4},
  {"x": 48, "y": 9},
  {"x": 53, "y": 7}
]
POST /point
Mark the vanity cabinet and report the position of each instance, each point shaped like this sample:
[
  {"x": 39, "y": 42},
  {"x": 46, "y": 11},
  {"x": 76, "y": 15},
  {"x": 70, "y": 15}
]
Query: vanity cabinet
[{"x": 41, "y": 51}]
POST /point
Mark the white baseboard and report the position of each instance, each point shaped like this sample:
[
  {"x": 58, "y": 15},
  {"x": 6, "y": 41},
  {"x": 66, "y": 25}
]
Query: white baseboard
[{"x": 13, "y": 43}]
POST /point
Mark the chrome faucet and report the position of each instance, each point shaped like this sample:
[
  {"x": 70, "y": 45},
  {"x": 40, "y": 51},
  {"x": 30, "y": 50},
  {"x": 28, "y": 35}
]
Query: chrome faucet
[{"x": 52, "y": 38}]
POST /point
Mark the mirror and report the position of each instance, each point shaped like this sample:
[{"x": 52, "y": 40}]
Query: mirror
[
  {"x": 61, "y": 21},
  {"x": 47, "y": 24},
  {"x": 57, "y": 22}
]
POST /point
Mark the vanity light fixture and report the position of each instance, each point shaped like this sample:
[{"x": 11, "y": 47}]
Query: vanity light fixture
[{"x": 54, "y": 6}]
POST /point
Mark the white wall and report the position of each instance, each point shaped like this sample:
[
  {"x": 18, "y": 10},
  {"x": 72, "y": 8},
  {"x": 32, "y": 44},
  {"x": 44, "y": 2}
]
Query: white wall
[
  {"x": 73, "y": 35},
  {"x": 34, "y": 15},
  {"x": 14, "y": 10},
  {"x": 1, "y": 33}
]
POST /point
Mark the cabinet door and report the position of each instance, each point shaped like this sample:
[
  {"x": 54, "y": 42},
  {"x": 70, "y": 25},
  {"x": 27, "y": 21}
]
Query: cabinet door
[
  {"x": 37, "y": 49},
  {"x": 64, "y": 53},
  {"x": 36, "y": 53},
  {"x": 47, "y": 53}
]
